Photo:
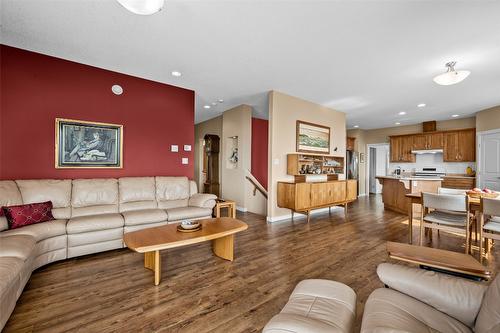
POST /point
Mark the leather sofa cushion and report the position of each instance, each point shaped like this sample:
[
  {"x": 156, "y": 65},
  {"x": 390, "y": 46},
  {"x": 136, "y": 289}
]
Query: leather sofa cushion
[
  {"x": 184, "y": 213},
  {"x": 145, "y": 216},
  {"x": 94, "y": 210},
  {"x": 56, "y": 190},
  {"x": 387, "y": 310},
  {"x": 172, "y": 188},
  {"x": 488, "y": 319},
  {"x": 9, "y": 196},
  {"x": 202, "y": 200},
  {"x": 19, "y": 246},
  {"x": 137, "y": 189},
  {"x": 94, "y": 237},
  {"x": 10, "y": 271},
  {"x": 173, "y": 203},
  {"x": 94, "y": 192},
  {"x": 137, "y": 205},
  {"x": 316, "y": 306},
  {"x": 94, "y": 222},
  {"x": 39, "y": 231}
]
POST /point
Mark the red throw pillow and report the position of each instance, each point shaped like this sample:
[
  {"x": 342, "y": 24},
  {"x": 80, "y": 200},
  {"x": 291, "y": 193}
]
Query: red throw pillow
[{"x": 23, "y": 215}]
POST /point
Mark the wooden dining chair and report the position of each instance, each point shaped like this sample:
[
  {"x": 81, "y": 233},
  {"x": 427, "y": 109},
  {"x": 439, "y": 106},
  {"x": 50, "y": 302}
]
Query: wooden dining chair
[
  {"x": 446, "y": 212},
  {"x": 489, "y": 224}
]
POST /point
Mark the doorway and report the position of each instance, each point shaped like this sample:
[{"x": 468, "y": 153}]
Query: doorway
[
  {"x": 210, "y": 164},
  {"x": 378, "y": 163},
  {"x": 489, "y": 160}
]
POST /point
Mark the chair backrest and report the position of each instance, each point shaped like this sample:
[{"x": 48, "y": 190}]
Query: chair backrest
[
  {"x": 448, "y": 202},
  {"x": 488, "y": 319},
  {"x": 455, "y": 191},
  {"x": 490, "y": 206}
]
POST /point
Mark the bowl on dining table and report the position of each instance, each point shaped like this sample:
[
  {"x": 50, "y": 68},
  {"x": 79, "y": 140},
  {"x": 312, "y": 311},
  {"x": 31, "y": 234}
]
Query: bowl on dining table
[{"x": 190, "y": 224}]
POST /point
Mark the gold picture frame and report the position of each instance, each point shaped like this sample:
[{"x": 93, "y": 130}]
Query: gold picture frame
[
  {"x": 312, "y": 138},
  {"x": 81, "y": 144}
]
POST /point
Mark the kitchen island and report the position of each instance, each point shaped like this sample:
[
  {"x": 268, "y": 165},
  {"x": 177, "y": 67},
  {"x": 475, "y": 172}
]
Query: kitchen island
[{"x": 395, "y": 189}]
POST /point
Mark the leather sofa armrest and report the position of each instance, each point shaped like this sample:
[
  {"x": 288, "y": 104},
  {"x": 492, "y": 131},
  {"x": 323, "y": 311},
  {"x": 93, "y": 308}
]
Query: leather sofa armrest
[
  {"x": 457, "y": 297},
  {"x": 202, "y": 200}
]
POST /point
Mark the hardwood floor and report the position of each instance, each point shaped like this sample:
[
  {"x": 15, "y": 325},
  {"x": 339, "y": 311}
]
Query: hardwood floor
[{"x": 112, "y": 292}]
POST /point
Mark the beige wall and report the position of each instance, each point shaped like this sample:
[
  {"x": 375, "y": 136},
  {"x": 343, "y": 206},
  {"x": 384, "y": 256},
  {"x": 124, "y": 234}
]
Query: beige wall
[
  {"x": 213, "y": 127},
  {"x": 381, "y": 135},
  {"x": 488, "y": 119},
  {"x": 284, "y": 111},
  {"x": 236, "y": 122}
]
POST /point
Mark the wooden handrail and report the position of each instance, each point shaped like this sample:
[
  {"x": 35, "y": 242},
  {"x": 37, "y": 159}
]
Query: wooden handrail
[{"x": 256, "y": 187}]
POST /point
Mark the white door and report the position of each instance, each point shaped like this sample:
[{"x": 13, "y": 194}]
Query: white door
[{"x": 489, "y": 164}]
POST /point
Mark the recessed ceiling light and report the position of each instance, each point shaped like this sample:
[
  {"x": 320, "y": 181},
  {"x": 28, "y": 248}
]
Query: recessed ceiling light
[
  {"x": 206, "y": 106},
  {"x": 356, "y": 126},
  {"x": 117, "y": 89},
  {"x": 214, "y": 104},
  {"x": 451, "y": 76},
  {"x": 176, "y": 73},
  {"x": 455, "y": 115},
  {"x": 402, "y": 113},
  {"x": 221, "y": 101},
  {"x": 398, "y": 123},
  {"x": 421, "y": 105},
  {"x": 142, "y": 7}
]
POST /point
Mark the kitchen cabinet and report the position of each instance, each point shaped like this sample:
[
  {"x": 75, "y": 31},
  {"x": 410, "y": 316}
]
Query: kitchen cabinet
[
  {"x": 428, "y": 141},
  {"x": 457, "y": 145},
  {"x": 401, "y": 147},
  {"x": 350, "y": 143},
  {"x": 460, "y": 146}
]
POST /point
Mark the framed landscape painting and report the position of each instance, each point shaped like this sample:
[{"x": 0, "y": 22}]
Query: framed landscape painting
[
  {"x": 85, "y": 144},
  {"x": 313, "y": 138}
]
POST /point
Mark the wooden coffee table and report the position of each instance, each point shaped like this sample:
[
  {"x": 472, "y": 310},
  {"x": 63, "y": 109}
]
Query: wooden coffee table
[
  {"x": 152, "y": 240},
  {"x": 440, "y": 260}
]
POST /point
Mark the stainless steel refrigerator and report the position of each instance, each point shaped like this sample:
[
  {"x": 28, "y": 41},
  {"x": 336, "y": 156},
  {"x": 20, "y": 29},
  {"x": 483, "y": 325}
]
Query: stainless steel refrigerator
[{"x": 352, "y": 166}]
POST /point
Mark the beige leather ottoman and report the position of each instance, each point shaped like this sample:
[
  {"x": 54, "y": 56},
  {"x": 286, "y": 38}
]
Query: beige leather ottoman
[{"x": 316, "y": 306}]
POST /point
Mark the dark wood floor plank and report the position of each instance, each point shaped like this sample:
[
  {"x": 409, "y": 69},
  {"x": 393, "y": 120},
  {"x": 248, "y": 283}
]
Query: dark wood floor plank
[{"x": 112, "y": 292}]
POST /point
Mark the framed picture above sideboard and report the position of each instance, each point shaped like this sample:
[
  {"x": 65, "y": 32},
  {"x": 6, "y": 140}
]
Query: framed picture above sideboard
[{"x": 312, "y": 138}]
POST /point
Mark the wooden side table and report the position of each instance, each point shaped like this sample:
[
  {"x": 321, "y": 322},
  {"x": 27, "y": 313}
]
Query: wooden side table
[{"x": 229, "y": 204}]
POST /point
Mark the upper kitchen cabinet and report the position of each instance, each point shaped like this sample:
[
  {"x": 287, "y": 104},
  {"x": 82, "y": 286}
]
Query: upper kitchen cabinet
[
  {"x": 460, "y": 146},
  {"x": 428, "y": 141},
  {"x": 401, "y": 147}
]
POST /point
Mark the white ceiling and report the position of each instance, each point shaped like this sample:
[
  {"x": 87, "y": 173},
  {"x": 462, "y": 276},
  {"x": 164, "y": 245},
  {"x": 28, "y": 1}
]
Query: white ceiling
[{"x": 370, "y": 59}]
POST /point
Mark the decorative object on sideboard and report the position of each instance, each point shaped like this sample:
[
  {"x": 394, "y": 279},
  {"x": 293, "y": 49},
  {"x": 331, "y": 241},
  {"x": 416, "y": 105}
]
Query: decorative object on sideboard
[
  {"x": 142, "y": 7},
  {"x": 85, "y": 144},
  {"x": 312, "y": 138}
]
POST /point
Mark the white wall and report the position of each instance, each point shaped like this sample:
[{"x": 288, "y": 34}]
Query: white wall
[{"x": 381, "y": 168}]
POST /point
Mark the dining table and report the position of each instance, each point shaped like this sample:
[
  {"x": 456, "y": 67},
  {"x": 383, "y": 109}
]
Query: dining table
[{"x": 416, "y": 198}]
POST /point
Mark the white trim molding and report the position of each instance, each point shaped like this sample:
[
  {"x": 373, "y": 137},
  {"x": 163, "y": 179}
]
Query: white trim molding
[
  {"x": 479, "y": 136},
  {"x": 300, "y": 215}
]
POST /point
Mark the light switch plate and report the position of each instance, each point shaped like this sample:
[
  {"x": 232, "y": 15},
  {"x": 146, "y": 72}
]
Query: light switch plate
[
  {"x": 187, "y": 147},
  {"x": 174, "y": 148},
  {"x": 185, "y": 160}
]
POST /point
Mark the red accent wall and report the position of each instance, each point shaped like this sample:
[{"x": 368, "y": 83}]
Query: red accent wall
[
  {"x": 260, "y": 140},
  {"x": 36, "y": 89}
]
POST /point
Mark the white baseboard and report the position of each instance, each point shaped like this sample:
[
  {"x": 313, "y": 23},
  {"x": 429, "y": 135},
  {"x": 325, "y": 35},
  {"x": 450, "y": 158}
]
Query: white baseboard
[
  {"x": 241, "y": 209},
  {"x": 299, "y": 215}
]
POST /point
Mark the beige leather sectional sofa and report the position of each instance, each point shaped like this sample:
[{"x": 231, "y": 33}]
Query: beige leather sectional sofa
[{"x": 91, "y": 216}]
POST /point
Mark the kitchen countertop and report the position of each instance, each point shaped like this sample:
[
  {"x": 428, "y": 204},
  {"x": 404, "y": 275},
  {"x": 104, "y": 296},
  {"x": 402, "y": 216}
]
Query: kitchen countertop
[{"x": 411, "y": 178}]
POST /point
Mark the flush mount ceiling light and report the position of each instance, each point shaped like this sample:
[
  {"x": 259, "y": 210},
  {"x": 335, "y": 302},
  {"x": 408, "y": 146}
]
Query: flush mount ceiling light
[
  {"x": 176, "y": 73},
  {"x": 356, "y": 126},
  {"x": 402, "y": 113},
  {"x": 117, "y": 89},
  {"x": 452, "y": 76},
  {"x": 455, "y": 115},
  {"x": 421, "y": 105},
  {"x": 398, "y": 123},
  {"x": 142, "y": 7},
  {"x": 206, "y": 106}
]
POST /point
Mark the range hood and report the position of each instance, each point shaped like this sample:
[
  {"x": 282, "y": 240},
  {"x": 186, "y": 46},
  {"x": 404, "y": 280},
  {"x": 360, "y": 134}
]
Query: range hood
[{"x": 427, "y": 151}]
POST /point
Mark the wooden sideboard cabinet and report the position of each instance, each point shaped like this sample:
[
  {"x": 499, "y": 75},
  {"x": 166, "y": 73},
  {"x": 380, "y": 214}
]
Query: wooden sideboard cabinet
[{"x": 305, "y": 197}]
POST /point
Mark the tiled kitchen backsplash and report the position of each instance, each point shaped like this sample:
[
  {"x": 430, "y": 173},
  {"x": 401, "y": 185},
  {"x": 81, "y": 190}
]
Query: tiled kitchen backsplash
[{"x": 432, "y": 160}]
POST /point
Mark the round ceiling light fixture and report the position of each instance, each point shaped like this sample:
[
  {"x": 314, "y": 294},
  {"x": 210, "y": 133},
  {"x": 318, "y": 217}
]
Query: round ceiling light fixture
[
  {"x": 398, "y": 123},
  {"x": 176, "y": 73},
  {"x": 452, "y": 76},
  {"x": 455, "y": 115},
  {"x": 206, "y": 106},
  {"x": 402, "y": 113},
  {"x": 117, "y": 89},
  {"x": 356, "y": 126},
  {"x": 421, "y": 105},
  {"x": 142, "y": 7}
]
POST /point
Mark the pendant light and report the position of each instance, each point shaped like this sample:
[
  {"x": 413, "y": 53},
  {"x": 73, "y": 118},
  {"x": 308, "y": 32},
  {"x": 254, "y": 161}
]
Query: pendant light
[
  {"x": 142, "y": 7},
  {"x": 452, "y": 76}
]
